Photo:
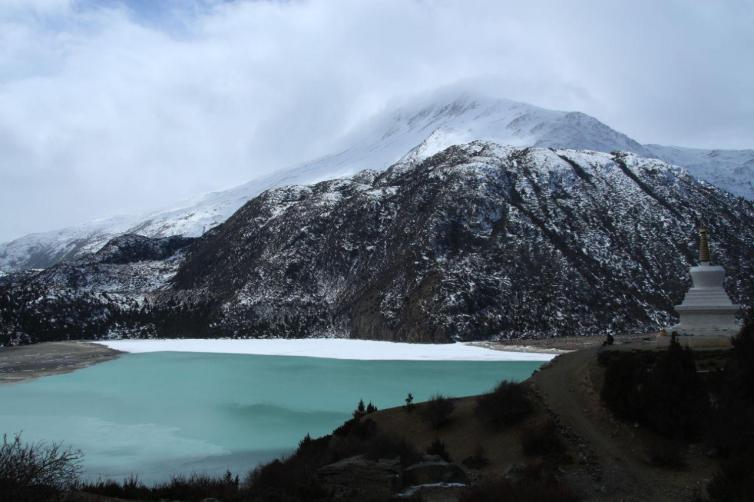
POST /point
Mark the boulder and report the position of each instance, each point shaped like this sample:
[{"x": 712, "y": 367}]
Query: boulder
[
  {"x": 358, "y": 477},
  {"x": 433, "y": 470}
]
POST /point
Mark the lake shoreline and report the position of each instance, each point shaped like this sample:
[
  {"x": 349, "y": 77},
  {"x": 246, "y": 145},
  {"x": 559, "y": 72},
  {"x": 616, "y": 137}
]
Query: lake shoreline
[{"x": 25, "y": 362}]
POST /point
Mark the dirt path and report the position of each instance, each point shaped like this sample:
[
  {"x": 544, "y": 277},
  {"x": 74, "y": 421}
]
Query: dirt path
[
  {"x": 42, "y": 359},
  {"x": 612, "y": 463}
]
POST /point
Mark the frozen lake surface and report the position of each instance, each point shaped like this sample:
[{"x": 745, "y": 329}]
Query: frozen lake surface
[
  {"x": 331, "y": 348},
  {"x": 159, "y": 413}
]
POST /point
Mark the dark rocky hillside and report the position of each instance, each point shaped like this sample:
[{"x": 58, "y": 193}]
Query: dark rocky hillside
[{"x": 476, "y": 242}]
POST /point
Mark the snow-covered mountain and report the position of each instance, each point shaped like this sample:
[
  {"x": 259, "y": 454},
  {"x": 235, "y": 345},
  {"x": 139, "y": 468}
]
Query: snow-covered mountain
[
  {"x": 731, "y": 170},
  {"x": 424, "y": 127},
  {"x": 478, "y": 241}
]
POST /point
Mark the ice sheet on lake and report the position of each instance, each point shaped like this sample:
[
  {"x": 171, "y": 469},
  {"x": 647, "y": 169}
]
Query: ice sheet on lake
[{"x": 332, "y": 348}]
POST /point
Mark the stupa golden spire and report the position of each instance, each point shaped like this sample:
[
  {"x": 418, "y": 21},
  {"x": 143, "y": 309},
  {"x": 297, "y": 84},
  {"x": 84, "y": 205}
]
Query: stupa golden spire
[{"x": 704, "y": 245}]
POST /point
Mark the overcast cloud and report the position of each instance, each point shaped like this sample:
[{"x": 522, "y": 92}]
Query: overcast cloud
[{"x": 125, "y": 106}]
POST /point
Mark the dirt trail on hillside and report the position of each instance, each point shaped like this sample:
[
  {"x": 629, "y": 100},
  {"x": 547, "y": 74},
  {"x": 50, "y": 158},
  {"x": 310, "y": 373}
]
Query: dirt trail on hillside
[
  {"x": 51, "y": 358},
  {"x": 612, "y": 463}
]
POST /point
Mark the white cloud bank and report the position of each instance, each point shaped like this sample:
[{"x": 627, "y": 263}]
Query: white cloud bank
[{"x": 124, "y": 106}]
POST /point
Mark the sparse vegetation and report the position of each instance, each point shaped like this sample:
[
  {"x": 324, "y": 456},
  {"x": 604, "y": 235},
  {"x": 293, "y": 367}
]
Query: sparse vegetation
[
  {"x": 437, "y": 410},
  {"x": 189, "y": 488},
  {"x": 505, "y": 405},
  {"x": 478, "y": 460},
  {"x": 36, "y": 471},
  {"x": 438, "y": 448},
  {"x": 732, "y": 427},
  {"x": 734, "y": 482},
  {"x": 668, "y": 454},
  {"x": 534, "y": 485},
  {"x": 362, "y": 411},
  {"x": 660, "y": 390},
  {"x": 542, "y": 438}
]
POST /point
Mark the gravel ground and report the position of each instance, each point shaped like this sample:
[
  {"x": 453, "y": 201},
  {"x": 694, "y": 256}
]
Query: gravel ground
[{"x": 51, "y": 358}]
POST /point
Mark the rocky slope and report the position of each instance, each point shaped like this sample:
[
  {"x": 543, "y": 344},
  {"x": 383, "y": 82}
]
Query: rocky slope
[
  {"x": 438, "y": 121},
  {"x": 478, "y": 241}
]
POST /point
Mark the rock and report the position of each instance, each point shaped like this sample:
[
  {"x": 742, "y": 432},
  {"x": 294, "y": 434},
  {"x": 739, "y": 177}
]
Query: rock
[
  {"x": 434, "y": 470},
  {"x": 514, "y": 472},
  {"x": 356, "y": 477}
]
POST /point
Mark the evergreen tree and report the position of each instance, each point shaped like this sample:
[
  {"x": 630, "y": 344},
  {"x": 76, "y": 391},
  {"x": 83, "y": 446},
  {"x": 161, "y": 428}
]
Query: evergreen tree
[{"x": 360, "y": 410}]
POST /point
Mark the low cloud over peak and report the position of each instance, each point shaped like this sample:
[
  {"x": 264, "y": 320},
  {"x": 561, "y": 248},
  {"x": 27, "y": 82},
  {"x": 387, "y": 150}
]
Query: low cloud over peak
[{"x": 124, "y": 106}]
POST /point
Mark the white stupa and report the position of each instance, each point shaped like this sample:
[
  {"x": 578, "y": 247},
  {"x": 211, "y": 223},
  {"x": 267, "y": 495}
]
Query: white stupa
[{"x": 708, "y": 316}]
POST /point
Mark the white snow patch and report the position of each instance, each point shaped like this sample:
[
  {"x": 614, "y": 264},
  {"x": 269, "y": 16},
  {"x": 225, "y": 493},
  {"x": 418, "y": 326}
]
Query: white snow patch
[{"x": 330, "y": 348}]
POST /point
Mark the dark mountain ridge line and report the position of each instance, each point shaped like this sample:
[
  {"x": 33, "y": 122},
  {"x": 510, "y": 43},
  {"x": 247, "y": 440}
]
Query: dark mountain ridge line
[{"x": 476, "y": 242}]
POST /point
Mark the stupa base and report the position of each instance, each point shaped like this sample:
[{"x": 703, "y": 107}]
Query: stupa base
[{"x": 721, "y": 339}]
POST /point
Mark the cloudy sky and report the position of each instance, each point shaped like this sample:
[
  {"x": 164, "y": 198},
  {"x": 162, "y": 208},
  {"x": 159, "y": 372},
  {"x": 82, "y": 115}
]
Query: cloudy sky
[{"x": 123, "y": 106}]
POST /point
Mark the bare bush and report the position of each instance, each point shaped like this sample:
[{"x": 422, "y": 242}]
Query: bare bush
[
  {"x": 506, "y": 405},
  {"x": 29, "y": 471},
  {"x": 437, "y": 410}
]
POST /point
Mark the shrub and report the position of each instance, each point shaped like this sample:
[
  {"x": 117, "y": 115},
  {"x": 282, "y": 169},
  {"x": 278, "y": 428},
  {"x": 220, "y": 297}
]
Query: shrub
[
  {"x": 438, "y": 448},
  {"x": 289, "y": 480},
  {"x": 437, "y": 410},
  {"x": 382, "y": 446},
  {"x": 542, "y": 438},
  {"x": 189, "y": 488},
  {"x": 743, "y": 359},
  {"x": 506, "y": 405},
  {"x": 734, "y": 482},
  {"x": 40, "y": 471},
  {"x": 661, "y": 390},
  {"x": 676, "y": 401},
  {"x": 732, "y": 425}
]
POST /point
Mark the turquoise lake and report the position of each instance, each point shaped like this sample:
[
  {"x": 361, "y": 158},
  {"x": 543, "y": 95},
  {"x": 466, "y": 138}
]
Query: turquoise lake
[{"x": 157, "y": 414}]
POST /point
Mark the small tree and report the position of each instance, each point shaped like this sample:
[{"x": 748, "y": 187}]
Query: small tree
[
  {"x": 409, "y": 402},
  {"x": 371, "y": 408},
  {"x": 360, "y": 410}
]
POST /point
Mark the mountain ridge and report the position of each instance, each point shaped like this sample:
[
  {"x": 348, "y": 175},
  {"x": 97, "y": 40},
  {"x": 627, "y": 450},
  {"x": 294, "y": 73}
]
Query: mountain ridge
[
  {"x": 478, "y": 241},
  {"x": 451, "y": 118}
]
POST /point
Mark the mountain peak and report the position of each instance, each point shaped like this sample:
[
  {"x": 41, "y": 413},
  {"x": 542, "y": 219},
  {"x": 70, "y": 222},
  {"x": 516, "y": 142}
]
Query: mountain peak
[{"x": 408, "y": 131}]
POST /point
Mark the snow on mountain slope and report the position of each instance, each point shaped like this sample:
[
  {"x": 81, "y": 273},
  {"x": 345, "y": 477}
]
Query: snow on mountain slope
[
  {"x": 480, "y": 241},
  {"x": 42, "y": 250},
  {"x": 424, "y": 127},
  {"x": 731, "y": 170}
]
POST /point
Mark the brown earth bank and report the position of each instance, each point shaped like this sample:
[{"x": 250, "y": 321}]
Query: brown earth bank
[
  {"x": 50, "y": 358},
  {"x": 565, "y": 343},
  {"x": 602, "y": 459}
]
